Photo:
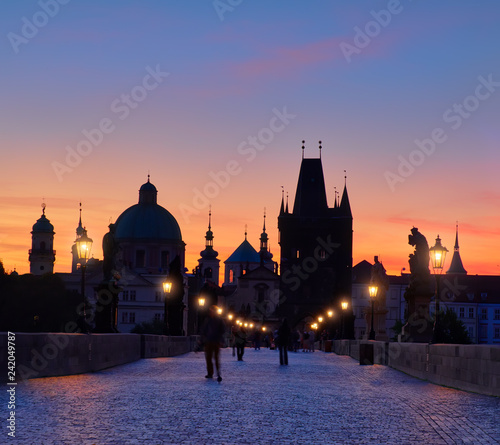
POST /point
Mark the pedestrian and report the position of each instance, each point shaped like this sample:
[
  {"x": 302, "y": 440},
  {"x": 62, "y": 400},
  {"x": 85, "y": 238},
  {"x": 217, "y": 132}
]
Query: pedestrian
[
  {"x": 233, "y": 338},
  {"x": 256, "y": 340},
  {"x": 312, "y": 337},
  {"x": 283, "y": 339},
  {"x": 240, "y": 339},
  {"x": 305, "y": 341},
  {"x": 212, "y": 333}
]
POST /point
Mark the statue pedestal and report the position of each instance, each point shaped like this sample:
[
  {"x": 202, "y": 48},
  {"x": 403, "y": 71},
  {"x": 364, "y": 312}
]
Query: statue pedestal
[
  {"x": 419, "y": 326},
  {"x": 379, "y": 323},
  {"x": 106, "y": 311}
]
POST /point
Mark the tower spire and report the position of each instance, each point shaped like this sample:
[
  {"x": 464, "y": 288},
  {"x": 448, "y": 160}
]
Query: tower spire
[
  {"x": 320, "y": 149},
  {"x": 282, "y": 208},
  {"x": 456, "y": 266}
]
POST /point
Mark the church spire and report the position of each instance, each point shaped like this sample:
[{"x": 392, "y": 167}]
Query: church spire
[
  {"x": 209, "y": 237},
  {"x": 345, "y": 206},
  {"x": 79, "y": 229},
  {"x": 282, "y": 208},
  {"x": 456, "y": 266}
]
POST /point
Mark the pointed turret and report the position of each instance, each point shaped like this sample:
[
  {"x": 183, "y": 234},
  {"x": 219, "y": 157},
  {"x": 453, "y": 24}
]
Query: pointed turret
[
  {"x": 456, "y": 267},
  {"x": 345, "y": 207},
  {"x": 282, "y": 208}
]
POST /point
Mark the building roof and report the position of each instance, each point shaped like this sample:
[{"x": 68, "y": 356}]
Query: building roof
[
  {"x": 245, "y": 253},
  {"x": 147, "y": 220}
]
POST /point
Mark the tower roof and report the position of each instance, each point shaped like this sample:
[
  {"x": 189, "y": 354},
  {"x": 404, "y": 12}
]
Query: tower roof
[
  {"x": 310, "y": 198},
  {"x": 42, "y": 224},
  {"x": 456, "y": 266}
]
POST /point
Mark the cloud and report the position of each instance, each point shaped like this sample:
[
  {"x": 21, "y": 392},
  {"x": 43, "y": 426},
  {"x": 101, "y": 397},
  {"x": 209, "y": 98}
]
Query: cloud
[{"x": 287, "y": 61}]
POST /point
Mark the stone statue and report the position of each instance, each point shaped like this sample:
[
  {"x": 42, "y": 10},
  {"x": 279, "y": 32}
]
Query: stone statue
[
  {"x": 420, "y": 276},
  {"x": 418, "y": 294},
  {"x": 110, "y": 250},
  {"x": 108, "y": 289},
  {"x": 379, "y": 277}
]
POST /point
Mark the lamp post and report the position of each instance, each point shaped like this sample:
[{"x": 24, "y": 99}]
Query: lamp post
[
  {"x": 437, "y": 254},
  {"x": 167, "y": 288},
  {"x": 83, "y": 248},
  {"x": 372, "y": 291},
  {"x": 329, "y": 325},
  {"x": 344, "y": 305},
  {"x": 201, "y": 304}
]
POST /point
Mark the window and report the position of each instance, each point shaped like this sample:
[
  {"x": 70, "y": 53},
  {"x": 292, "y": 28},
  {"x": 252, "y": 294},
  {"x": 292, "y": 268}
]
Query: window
[
  {"x": 471, "y": 332},
  {"x": 131, "y": 317},
  {"x": 42, "y": 246},
  {"x": 497, "y": 314},
  {"x": 231, "y": 275},
  {"x": 157, "y": 317},
  {"x": 462, "y": 312},
  {"x": 158, "y": 296},
  {"x": 471, "y": 312},
  {"x": 125, "y": 295},
  {"x": 140, "y": 258},
  {"x": 297, "y": 253},
  {"x": 132, "y": 295},
  {"x": 496, "y": 334},
  {"x": 165, "y": 259},
  {"x": 484, "y": 314},
  {"x": 124, "y": 317},
  {"x": 483, "y": 331},
  {"x": 208, "y": 272}
]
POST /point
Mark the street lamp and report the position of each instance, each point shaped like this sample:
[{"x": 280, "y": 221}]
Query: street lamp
[
  {"x": 372, "y": 291},
  {"x": 320, "y": 319},
  {"x": 167, "y": 288},
  {"x": 83, "y": 248},
  {"x": 344, "y": 305},
  {"x": 201, "y": 305},
  {"x": 437, "y": 254}
]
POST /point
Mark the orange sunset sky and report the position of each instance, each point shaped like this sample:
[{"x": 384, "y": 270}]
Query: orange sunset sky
[{"x": 185, "y": 92}]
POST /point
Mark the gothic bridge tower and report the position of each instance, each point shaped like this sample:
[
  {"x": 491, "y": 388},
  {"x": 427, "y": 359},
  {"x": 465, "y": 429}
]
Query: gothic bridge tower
[{"x": 316, "y": 247}]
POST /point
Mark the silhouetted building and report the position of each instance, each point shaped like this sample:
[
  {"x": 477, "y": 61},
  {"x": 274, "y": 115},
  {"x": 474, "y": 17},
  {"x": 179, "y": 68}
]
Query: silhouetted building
[
  {"x": 149, "y": 243},
  {"x": 316, "y": 248},
  {"x": 42, "y": 254},
  {"x": 208, "y": 264}
]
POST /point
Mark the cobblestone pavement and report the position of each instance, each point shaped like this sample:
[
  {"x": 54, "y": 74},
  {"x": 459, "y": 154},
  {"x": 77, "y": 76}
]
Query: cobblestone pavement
[{"x": 318, "y": 399}]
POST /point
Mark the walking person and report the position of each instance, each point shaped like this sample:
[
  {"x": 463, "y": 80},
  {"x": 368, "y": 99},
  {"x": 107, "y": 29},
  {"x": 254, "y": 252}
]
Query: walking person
[
  {"x": 283, "y": 340},
  {"x": 240, "y": 339},
  {"x": 212, "y": 333}
]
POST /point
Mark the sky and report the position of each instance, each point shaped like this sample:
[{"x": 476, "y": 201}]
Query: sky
[{"x": 213, "y": 100}]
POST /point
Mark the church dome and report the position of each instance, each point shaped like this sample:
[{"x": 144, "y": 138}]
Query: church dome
[
  {"x": 147, "y": 220},
  {"x": 43, "y": 225}
]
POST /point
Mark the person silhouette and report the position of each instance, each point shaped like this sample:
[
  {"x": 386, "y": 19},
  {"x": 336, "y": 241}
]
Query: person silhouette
[
  {"x": 283, "y": 339},
  {"x": 212, "y": 333}
]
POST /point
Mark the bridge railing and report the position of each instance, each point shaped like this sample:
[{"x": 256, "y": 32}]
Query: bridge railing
[{"x": 474, "y": 368}]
